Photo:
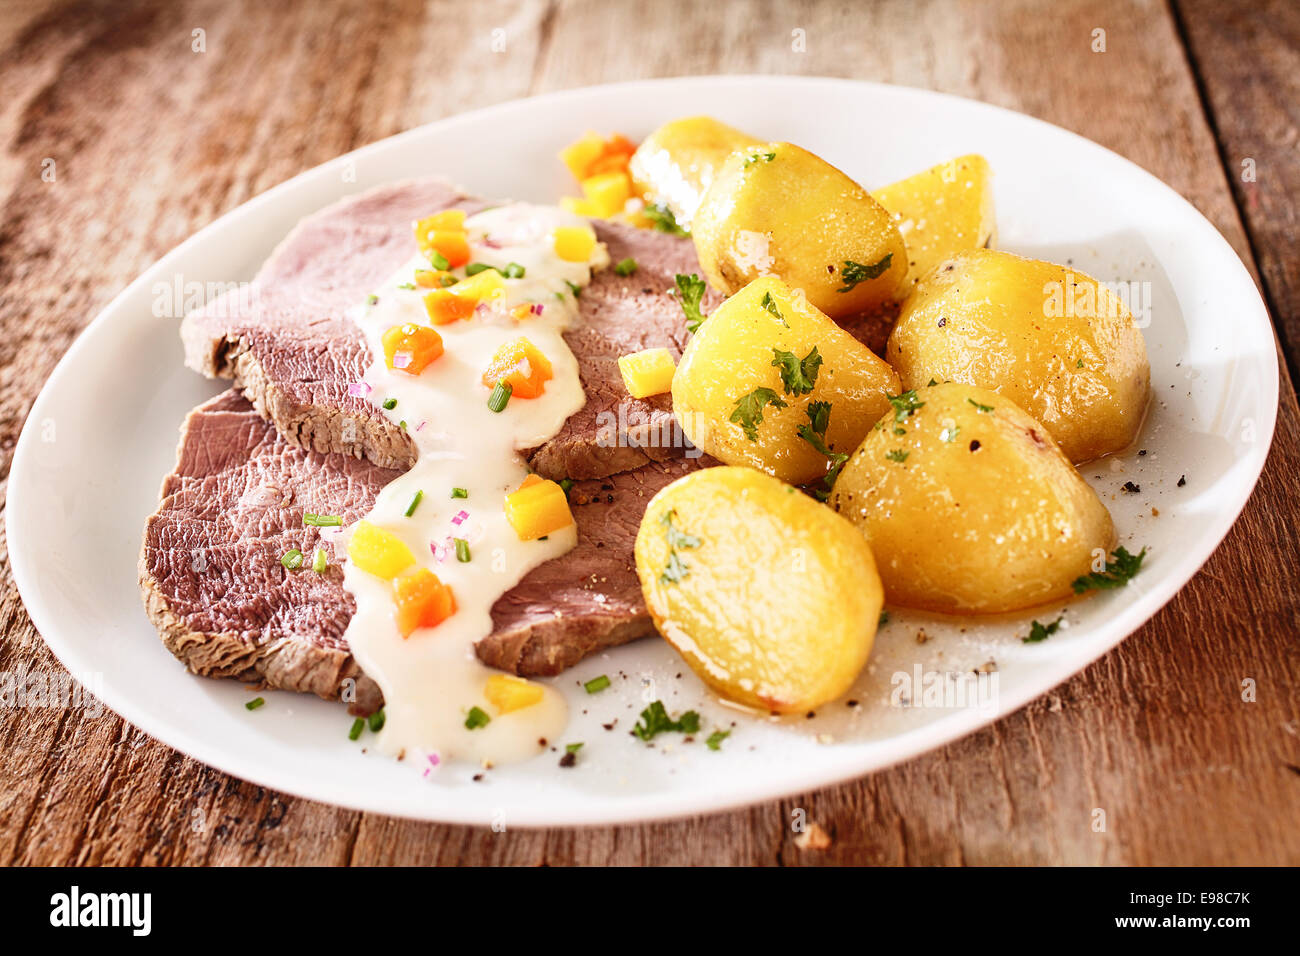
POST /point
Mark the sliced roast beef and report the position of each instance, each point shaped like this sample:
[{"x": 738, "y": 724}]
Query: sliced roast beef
[
  {"x": 215, "y": 587},
  {"x": 293, "y": 351}
]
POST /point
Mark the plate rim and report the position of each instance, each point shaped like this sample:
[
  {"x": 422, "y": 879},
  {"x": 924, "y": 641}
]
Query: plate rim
[{"x": 666, "y": 805}]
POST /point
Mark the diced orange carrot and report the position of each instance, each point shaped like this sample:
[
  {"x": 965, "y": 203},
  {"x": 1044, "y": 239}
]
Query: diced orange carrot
[
  {"x": 450, "y": 244},
  {"x": 411, "y": 348},
  {"x": 521, "y": 364},
  {"x": 445, "y": 307},
  {"x": 433, "y": 279},
  {"x": 421, "y": 600}
]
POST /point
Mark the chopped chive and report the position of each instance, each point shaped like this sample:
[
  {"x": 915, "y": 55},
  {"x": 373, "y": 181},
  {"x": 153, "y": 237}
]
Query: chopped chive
[
  {"x": 407, "y": 285},
  {"x": 372, "y": 299},
  {"x": 574, "y": 288},
  {"x": 415, "y": 503},
  {"x": 716, "y": 738},
  {"x": 513, "y": 270},
  {"x": 255, "y": 703},
  {"x": 626, "y": 267},
  {"x": 596, "y": 684},
  {"x": 358, "y": 725},
  {"x": 572, "y": 748},
  {"x": 319, "y": 563},
  {"x": 376, "y": 721},
  {"x": 477, "y": 718},
  {"x": 390, "y": 403},
  {"x": 402, "y": 424},
  {"x": 439, "y": 261},
  {"x": 500, "y": 396},
  {"x": 292, "y": 559},
  {"x": 322, "y": 521},
  {"x": 462, "y": 550},
  {"x": 459, "y": 493},
  {"x": 447, "y": 281},
  {"x": 565, "y": 485},
  {"x": 474, "y": 268}
]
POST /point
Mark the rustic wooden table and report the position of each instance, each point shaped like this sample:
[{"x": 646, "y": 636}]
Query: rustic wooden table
[{"x": 152, "y": 140}]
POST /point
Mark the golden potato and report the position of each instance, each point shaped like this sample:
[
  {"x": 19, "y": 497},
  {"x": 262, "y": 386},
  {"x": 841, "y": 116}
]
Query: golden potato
[
  {"x": 764, "y": 365},
  {"x": 772, "y": 598},
  {"x": 969, "y": 506},
  {"x": 942, "y": 211},
  {"x": 779, "y": 210},
  {"x": 675, "y": 164},
  {"x": 1054, "y": 341}
]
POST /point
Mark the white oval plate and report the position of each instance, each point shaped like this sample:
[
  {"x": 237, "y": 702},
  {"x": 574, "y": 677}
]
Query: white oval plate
[{"x": 103, "y": 433}]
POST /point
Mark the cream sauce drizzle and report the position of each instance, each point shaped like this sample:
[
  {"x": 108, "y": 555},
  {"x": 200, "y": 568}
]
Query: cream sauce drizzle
[{"x": 431, "y": 679}]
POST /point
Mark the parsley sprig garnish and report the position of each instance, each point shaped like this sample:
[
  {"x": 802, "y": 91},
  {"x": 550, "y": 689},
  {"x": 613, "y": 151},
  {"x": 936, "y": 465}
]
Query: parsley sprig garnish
[
  {"x": 814, "y": 433},
  {"x": 676, "y": 569},
  {"x": 1041, "y": 632},
  {"x": 753, "y": 158},
  {"x": 854, "y": 272},
  {"x": 655, "y": 720},
  {"x": 690, "y": 292},
  {"x": 905, "y": 405},
  {"x": 770, "y": 304},
  {"x": 1120, "y": 570},
  {"x": 662, "y": 218},
  {"x": 798, "y": 375},
  {"x": 748, "y": 413}
]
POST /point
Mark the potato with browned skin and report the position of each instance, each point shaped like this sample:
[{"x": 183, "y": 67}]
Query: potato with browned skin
[
  {"x": 772, "y": 598},
  {"x": 778, "y": 210},
  {"x": 969, "y": 505}
]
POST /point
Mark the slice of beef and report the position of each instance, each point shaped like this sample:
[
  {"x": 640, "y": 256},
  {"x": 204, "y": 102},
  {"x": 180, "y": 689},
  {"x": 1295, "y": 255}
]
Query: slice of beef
[
  {"x": 214, "y": 586},
  {"x": 290, "y": 347}
]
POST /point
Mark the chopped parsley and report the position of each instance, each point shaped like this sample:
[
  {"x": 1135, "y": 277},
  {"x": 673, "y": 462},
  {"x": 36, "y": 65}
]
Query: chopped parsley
[
  {"x": 905, "y": 405},
  {"x": 574, "y": 288},
  {"x": 655, "y": 720},
  {"x": 662, "y": 218},
  {"x": 255, "y": 703},
  {"x": 748, "y": 413},
  {"x": 572, "y": 748},
  {"x": 690, "y": 292},
  {"x": 814, "y": 433},
  {"x": 1079, "y": 363},
  {"x": 676, "y": 569},
  {"x": 716, "y": 738},
  {"x": 566, "y": 485},
  {"x": 897, "y": 454},
  {"x": 855, "y": 272},
  {"x": 753, "y": 158},
  {"x": 596, "y": 684},
  {"x": 798, "y": 376},
  {"x": 626, "y": 267},
  {"x": 477, "y": 718},
  {"x": 983, "y": 408},
  {"x": 1041, "y": 632},
  {"x": 883, "y": 619},
  {"x": 770, "y": 304},
  {"x": 1119, "y": 571},
  {"x": 949, "y": 432}
]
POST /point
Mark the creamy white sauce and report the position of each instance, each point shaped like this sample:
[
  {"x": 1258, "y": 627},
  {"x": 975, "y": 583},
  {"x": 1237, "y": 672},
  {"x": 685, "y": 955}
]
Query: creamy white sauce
[{"x": 432, "y": 678}]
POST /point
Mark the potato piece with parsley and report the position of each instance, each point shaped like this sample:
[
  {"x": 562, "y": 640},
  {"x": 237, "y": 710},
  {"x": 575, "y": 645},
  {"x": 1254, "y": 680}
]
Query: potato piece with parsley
[
  {"x": 969, "y": 505},
  {"x": 779, "y": 210},
  {"x": 772, "y": 598},
  {"x": 770, "y": 382},
  {"x": 1053, "y": 340},
  {"x": 675, "y": 164}
]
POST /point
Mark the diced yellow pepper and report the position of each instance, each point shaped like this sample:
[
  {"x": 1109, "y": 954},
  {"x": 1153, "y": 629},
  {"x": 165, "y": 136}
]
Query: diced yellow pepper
[
  {"x": 574, "y": 243},
  {"x": 580, "y": 207},
  {"x": 379, "y": 552},
  {"x": 506, "y": 693},
  {"x": 579, "y": 155},
  {"x": 482, "y": 287},
  {"x": 537, "y": 508},
  {"x": 608, "y": 192},
  {"x": 649, "y": 372}
]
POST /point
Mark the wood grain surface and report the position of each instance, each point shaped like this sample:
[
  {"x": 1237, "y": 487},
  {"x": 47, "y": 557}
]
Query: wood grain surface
[{"x": 151, "y": 140}]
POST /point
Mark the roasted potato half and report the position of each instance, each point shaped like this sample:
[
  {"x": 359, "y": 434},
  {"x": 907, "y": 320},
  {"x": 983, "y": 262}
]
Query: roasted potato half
[
  {"x": 1055, "y": 341},
  {"x": 943, "y": 211},
  {"x": 675, "y": 164},
  {"x": 772, "y": 598},
  {"x": 970, "y": 506},
  {"x": 764, "y": 366},
  {"x": 778, "y": 210}
]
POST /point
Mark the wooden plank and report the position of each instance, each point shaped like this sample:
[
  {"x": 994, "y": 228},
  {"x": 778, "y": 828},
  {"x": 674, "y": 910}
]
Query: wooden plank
[{"x": 1155, "y": 734}]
